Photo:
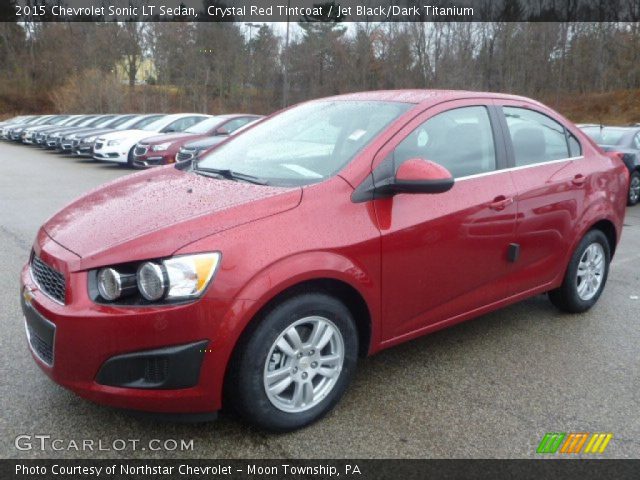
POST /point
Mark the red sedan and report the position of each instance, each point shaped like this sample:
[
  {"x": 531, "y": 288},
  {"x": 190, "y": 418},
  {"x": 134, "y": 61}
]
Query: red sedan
[
  {"x": 162, "y": 149},
  {"x": 256, "y": 276}
]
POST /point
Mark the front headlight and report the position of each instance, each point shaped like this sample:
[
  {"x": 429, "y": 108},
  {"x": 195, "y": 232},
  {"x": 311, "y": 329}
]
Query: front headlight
[
  {"x": 151, "y": 281},
  {"x": 161, "y": 147},
  {"x": 189, "y": 275},
  {"x": 177, "y": 278},
  {"x": 113, "y": 284},
  {"x": 117, "y": 141}
]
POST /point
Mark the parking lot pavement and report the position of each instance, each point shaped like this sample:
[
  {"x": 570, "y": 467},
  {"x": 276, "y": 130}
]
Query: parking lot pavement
[{"x": 488, "y": 388}]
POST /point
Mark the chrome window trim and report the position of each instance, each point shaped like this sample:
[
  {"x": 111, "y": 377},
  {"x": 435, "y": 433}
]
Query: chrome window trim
[{"x": 521, "y": 167}]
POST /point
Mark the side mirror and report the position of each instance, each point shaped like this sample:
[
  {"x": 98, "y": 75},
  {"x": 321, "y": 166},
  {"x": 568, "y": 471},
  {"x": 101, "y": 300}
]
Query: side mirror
[
  {"x": 418, "y": 175},
  {"x": 221, "y": 132}
]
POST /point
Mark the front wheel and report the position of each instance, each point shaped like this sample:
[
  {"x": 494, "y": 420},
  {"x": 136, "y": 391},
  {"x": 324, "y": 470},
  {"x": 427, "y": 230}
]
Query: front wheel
[
  {"x": 129, "y": 163},
  {"x": 634, "y": 188},
  {"x": 586, "y": 274},
  {"x": 295, "y": 364}
]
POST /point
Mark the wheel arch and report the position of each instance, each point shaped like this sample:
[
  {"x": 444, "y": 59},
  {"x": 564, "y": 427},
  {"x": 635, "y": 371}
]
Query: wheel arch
[
  {"x": 343, "y": 291},
  {"x": 607, "y": 227},
  {"x": 324, "y": 272}
]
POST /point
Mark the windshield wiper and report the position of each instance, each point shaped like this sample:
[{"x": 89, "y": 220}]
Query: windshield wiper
[{"x": 229, "y": 175}]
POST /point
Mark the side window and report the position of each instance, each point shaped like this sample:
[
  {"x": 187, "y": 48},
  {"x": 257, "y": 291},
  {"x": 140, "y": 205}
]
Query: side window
[
  {"x": 461, "y": 140},
  {"x": 575, "y": 149},
  {"x": 535, "y": 137}
]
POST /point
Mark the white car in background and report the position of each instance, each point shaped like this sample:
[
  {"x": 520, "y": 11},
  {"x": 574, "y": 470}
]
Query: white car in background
[{"x": 117, "y": 147}]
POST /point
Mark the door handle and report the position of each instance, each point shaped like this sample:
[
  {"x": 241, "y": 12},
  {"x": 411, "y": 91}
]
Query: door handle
[
  {"x": 579, "y": 180},
  {"x": 500, "y": 202}
]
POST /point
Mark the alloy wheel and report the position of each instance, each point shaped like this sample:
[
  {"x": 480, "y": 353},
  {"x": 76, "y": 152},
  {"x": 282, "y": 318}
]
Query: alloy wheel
[
  {"x": 590, "y": 271},
  {"x": 634, "y": 190},
  {"x": 303, "y": 364}
]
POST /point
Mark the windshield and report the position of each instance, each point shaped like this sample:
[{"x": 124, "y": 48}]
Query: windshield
[
  {"x": 88, "y": 121},
  {"x": 205, "y": 125},
  {"x": 157, "y": 125},
  {"x": 69, "y": 121},
  {"x": 305, "y": 144},
  {"x": 606, "y": 135},
  {"x": 57, "y": 120},
  {"x": 42, "y": 120},
  {"x": 104, "y": 121},
  {"x": 143, "y": 122},
  {"x": 119, "y": 120}
]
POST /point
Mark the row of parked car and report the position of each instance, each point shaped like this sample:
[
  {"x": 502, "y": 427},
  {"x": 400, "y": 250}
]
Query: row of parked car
[
  {"x": 135, "y": 140},
  {"x": 624, "y": 142}
]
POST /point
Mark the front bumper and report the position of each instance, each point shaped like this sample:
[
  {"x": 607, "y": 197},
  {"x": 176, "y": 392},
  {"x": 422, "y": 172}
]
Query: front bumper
[
  {"x": 158, "y": 359},
  {"x": 152, "y": 159},
  {"x": 108, "y": 153},
  {"x": 65, "y": 145},
  {"x": 83, "y": 150}
]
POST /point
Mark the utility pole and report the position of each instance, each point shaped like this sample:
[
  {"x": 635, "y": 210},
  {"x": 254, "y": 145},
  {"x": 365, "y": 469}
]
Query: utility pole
[
  {"x": 250, "y": 60},
  {"x": 285, "y": 59}
]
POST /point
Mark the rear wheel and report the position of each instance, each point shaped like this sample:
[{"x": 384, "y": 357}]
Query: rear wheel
[
  {"x": 634, "y": 188},
  {"x": 586, "y": 274},
  {"x": 296, "y": 364}
]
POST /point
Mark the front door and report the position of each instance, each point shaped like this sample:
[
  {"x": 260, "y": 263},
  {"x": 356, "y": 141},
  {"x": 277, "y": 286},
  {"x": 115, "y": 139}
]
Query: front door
[{"x": 446, "y": 254}]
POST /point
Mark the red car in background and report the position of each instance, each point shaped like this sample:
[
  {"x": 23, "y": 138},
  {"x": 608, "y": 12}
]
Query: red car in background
[
  {"x": 162, "y": 149},
  {"x": 254, "y": 277}
]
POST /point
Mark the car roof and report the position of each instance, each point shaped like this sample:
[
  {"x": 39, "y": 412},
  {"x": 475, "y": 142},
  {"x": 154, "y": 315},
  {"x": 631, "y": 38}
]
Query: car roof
[
  {"x": 236, "y": 115},
  {"x": 422, "y": 96},
  {"x": 180, "y": 115}
]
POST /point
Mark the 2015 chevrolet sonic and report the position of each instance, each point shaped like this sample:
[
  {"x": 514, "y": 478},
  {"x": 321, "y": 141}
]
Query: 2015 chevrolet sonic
[{"x": 254, "y": 277}]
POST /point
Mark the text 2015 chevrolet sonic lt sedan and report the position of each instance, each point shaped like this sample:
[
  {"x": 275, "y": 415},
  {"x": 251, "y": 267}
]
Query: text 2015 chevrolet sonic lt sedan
[{"x": 255, "y": 277}]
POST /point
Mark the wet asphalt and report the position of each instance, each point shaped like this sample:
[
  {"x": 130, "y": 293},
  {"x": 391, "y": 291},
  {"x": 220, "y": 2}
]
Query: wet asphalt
[{"x": 488, "y": 388}]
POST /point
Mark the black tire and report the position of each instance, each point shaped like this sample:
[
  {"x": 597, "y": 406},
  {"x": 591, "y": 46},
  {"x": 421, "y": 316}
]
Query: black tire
[
  {"x": 566, "y": 297},
  {"x": 244, "y": 385},
  {"x": 130, "y": 158},
  {"x": 634, "y": 189}
]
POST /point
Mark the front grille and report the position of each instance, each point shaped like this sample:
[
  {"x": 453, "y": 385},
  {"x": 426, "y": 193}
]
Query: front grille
[
  {"x": 140, "y": 150},
  {"x": 98, "y": 145},
  {"x": 184, "y": 155},
  {"x": 48, "y": 279},
  {"x": 43, "y": 349}
]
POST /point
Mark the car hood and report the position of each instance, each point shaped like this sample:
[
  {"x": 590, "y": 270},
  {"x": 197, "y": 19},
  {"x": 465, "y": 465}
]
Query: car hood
[
  {"x": 95, "y": 131},
  {"x": 154, "y": 213},
  {"x": 132, "y": 132},
  {"x": 168, "y": 137},
  {"x": 206, "y": 142},
  {"x": 39, "y": 128}
]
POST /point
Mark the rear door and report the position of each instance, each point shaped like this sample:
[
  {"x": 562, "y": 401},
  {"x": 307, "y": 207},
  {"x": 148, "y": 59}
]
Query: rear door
[{"x": 550, "y": 178}]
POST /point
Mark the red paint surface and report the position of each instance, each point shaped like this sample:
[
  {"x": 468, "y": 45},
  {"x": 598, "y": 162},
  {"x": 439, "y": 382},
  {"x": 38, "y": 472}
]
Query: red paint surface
[{"x": 421, "y": 262}]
